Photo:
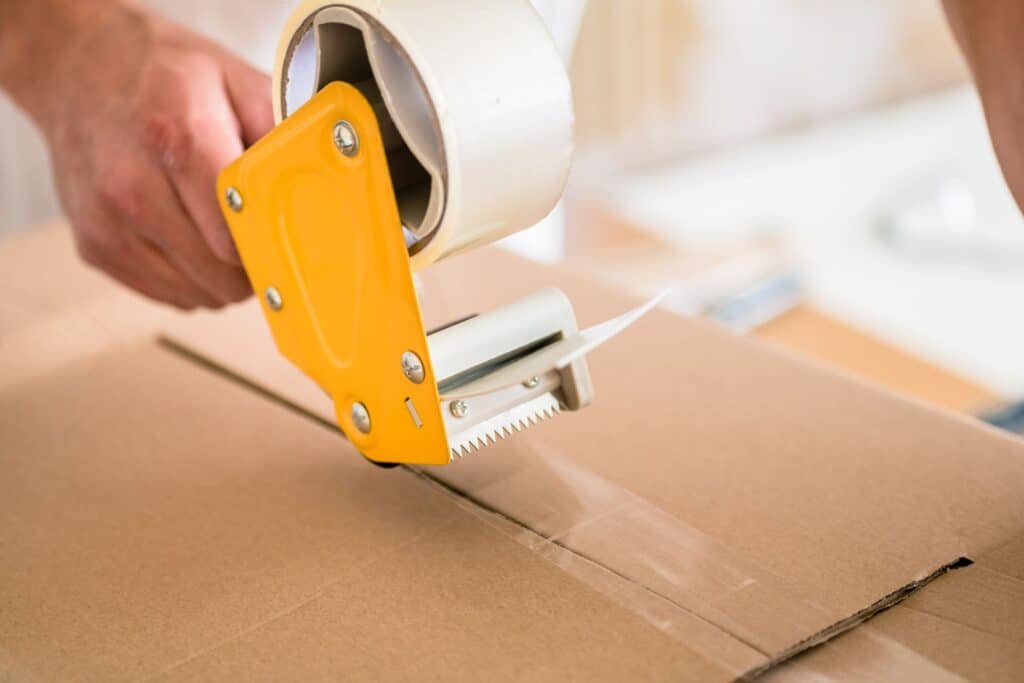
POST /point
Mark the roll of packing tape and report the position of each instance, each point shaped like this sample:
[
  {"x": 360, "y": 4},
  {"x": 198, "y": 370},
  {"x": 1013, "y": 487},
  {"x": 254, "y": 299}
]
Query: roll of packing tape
[{"x": 473, "y": 100}]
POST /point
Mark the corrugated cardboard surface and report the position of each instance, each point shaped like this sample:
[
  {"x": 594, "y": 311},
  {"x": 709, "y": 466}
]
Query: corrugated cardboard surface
[
  {"x": 967, "y": 625},
  {"x": 169, "y": 522},
  {"x": 718, "y": 505},
  {"x": 54, "y": 310}
]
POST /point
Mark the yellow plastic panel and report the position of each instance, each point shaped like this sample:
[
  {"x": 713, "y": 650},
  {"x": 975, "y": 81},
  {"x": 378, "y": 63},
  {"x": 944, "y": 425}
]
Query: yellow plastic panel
[{"x": 323, "y": 230}]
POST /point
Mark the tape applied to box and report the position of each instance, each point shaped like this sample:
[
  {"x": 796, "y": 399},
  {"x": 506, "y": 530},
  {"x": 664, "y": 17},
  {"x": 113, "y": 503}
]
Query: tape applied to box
[{"x": 682, "y": 581}]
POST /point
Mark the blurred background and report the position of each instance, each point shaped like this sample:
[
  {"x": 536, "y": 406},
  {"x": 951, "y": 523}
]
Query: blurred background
[
  {"x": 816, "y": 173},
  {"x": 813, "y": 172}
]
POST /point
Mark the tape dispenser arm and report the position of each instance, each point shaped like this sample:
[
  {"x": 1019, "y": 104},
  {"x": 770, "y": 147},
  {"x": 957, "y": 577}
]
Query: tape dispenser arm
[
  {"x": 323, "y": 210},
  {"x": 313, "y": 213}
]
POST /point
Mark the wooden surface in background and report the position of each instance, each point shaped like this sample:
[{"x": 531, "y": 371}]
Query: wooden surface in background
[
  {"x": 615, "y": 250},
  {"x": 817, "y": 335}
]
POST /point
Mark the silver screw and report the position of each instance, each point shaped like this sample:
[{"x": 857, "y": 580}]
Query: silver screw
[
  {"x": 361, "y": 417},
  {"x": 460, "y": 408},
  {"x": 273, "y": 298},
  {"x": 532, "y": 383},
  {"x": 412, "y": 366},
  {"x": 346, "y": 139},
  {"x": 234, "y": 199}
]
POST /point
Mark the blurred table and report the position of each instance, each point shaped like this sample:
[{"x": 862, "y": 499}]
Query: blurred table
[
  {"x": 813, "y": 334},
  {"x": 625, "y": 254},
  {"x": 825, "y": 190}
]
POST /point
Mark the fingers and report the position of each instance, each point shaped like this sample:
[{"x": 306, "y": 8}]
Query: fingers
[
  {"x": 138, "y": 154},
  {"x": 136, "y": 264},
  {"x": 137, "y": 198},
  {"x": 171, "y": 198},
  {"x": 194, "y": 146},
  {"x": 250, "y": 93},
  {"x": 170, "y": 228}
]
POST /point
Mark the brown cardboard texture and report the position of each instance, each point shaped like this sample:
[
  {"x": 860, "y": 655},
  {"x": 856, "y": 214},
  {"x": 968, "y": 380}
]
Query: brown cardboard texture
[
  {"x": 186, "y": 511},
  {"x": 55, "y": 311}
]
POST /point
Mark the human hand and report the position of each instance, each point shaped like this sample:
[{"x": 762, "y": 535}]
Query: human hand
[{"x": 140, "y": 115}]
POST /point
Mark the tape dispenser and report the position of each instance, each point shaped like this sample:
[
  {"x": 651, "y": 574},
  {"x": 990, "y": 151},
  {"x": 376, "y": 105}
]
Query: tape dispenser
[{"x": 409, "y": 131}]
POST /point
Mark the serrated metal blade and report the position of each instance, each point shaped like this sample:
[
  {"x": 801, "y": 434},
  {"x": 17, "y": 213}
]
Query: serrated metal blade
[{"x": 504, "y": 424}]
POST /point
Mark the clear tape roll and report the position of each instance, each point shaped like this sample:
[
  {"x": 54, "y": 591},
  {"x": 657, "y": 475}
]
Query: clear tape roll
[{"x": 474, "y": 104}]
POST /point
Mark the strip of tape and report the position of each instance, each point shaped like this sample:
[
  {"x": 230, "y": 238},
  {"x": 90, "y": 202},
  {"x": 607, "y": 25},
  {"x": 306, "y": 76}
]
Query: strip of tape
[
  {"x": 866, "y": 655},
  {"x": 677, "y": 578}
]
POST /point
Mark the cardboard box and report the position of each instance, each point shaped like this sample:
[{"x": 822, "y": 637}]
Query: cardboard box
[{"x": 184, "y": 509}]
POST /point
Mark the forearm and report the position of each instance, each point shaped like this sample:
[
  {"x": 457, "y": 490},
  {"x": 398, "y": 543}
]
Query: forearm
[
  {"x": 989, "y": 32},
  {"x": 39, "y": 41}
]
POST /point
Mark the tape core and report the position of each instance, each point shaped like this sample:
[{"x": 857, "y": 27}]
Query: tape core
[{"x": 338, "y": 43}]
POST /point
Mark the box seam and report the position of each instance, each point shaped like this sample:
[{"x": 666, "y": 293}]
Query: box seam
[
  {"x": 818, "y": 638},
  {"x": 856, "y": 619}
]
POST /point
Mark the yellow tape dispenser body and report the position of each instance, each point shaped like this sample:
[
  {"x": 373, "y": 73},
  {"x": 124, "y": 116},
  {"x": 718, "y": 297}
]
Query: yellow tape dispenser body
[{"x": 323, "y": 235}]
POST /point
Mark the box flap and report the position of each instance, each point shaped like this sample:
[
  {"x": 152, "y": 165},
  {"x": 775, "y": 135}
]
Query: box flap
[
  {"x": 813, "y": 496},
  {"x": 161, "y": 522},
  {"x": 54, "y": 310},
  {"x": 967, "y": 625},
  {"x": 721, "y": 506}
]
